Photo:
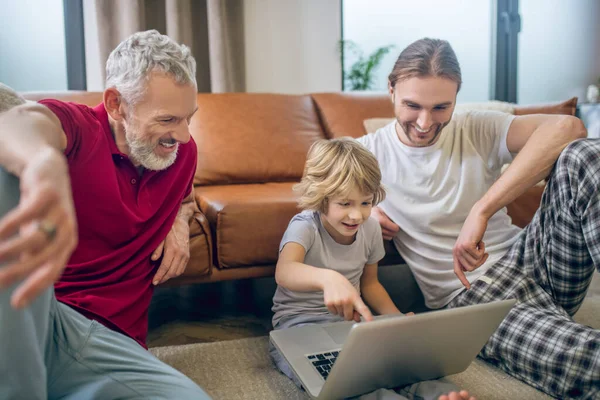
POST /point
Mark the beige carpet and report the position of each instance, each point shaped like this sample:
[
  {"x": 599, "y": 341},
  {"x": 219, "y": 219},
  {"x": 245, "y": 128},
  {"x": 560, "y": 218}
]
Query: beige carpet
[{"x": 242, "y": 369}]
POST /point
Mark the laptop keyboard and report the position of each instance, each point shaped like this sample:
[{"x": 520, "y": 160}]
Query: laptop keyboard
[{"x": 323, "y": 362}]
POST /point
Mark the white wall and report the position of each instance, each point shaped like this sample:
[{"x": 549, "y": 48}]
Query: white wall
[
  {"x": 291, "y": 45},
  {"x": 466, "y": 24},
  {"x": 32, "y": 45},
  {"x": 92, "y": 50},
  {"x": 559, "y": 49}
]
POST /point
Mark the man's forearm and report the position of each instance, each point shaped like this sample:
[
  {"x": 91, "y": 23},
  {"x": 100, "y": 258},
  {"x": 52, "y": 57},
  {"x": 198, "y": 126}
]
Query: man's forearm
[
  {"x": 187, "y": 210},
  {"x": 26, "y": 130},
  {"x": 533, "y": 163}
]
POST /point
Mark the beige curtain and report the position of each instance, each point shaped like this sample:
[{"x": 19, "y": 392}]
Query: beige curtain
[{"x": 213, "y": 29}]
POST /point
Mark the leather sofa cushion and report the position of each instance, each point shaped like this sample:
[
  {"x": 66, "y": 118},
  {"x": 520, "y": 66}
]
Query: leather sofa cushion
[
  {"x": 343, "y": 113},
  {"x": 248, "y": 221},
  {"x": 523, "y": 208},
  {"x": 253, "y": 137}
]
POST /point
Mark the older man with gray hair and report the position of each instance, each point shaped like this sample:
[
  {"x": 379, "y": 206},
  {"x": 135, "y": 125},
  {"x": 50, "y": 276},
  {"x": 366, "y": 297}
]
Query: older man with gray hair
[{"x": 103, "y": 217}]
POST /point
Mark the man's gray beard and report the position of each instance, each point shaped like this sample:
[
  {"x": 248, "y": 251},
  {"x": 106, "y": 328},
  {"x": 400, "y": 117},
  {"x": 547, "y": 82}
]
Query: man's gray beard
[{"x": 143, "y": 153}]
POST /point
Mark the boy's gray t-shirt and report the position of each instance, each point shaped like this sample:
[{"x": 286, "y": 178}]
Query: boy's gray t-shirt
[{"x": 322, "y": 251}]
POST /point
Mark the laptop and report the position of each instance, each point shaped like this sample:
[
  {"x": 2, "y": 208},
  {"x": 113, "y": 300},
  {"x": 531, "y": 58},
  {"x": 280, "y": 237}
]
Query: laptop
[{"x": 345, "y": 359}]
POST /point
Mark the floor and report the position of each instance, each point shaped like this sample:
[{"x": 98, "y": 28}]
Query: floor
[
  {"x": 211, "y": 312},
  {"x": 240, "y": 309}
]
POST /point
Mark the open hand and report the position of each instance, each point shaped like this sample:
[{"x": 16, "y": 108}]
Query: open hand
[
  {"x": 175, "y": 250},
  {"x": 341, "y": 298},
  {"x": 469, "y": 251},
  {"x": 47, "y": 226}
]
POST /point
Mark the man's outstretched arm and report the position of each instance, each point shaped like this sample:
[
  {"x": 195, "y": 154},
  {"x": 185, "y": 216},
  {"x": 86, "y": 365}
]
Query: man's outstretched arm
[
  {"x": 538, "y": 140},
  {"x": 9, "y": 98},
  {"x": 27, "y": 129},
  {"x": 31, "y": 147}
]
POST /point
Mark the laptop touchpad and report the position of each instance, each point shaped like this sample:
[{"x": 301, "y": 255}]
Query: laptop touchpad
[{"x": 338, "y": 332}]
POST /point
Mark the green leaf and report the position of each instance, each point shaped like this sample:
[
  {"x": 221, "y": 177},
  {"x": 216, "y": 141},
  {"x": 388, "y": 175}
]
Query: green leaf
[{"x": 360, "y": 75}]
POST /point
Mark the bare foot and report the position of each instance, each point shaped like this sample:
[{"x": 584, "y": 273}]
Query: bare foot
[{"x": 462, "y": 395}]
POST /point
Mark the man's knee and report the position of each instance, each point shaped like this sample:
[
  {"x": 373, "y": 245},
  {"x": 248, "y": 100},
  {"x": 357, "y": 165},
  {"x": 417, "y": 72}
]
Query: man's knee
[
  {"x": 178, "y": 387},
  {"x": 152, "y": 378},
  {"x": 576, "y": 174},
  {"x": 582, "y": 153}
]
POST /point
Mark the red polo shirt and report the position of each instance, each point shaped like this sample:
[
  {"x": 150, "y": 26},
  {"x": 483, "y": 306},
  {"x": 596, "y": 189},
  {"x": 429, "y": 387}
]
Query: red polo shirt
[{"x": 122, "y": 218}]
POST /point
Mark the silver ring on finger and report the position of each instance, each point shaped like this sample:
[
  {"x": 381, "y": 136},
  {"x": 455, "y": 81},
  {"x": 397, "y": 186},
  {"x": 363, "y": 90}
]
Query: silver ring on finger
[{"x": 48, "y": 229}]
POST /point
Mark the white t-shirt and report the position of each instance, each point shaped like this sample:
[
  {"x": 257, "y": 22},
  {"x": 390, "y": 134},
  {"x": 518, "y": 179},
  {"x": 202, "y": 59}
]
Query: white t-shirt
[{"x": 431, "y": 190}]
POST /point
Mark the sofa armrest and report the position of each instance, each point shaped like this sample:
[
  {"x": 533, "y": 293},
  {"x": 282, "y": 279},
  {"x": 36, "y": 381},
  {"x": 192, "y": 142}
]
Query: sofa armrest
[{"x": 199, "y": 227}]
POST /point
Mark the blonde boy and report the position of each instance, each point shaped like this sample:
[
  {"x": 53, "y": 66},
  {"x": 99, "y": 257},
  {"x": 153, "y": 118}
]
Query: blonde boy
[{"x": 329, "y": 252}]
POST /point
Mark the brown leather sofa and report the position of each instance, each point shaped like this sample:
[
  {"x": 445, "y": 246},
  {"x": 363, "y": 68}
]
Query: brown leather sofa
[{"x": 251, "y": 150}]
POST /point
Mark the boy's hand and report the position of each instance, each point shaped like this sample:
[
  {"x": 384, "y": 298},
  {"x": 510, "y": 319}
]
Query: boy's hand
[{"x": 341, "y": 298}]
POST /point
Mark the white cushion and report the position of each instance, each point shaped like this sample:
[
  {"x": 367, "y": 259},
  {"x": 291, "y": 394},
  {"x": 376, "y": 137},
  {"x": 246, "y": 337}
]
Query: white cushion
[
  {"x": 373, "y": 124},
  {"x": 492, "y": 105}
]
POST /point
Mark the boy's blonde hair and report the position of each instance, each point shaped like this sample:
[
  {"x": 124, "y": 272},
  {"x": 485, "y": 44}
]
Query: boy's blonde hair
[{"x": 334, "y": 168}]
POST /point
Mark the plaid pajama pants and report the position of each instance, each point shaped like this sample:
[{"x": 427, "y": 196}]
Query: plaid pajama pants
[{"x": 549, "y": 270}]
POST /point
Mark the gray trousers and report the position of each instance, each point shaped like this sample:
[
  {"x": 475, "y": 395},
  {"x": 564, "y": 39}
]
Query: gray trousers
[
  {"x": 50, "y": 351},
  {"x": 428, "y": 390}
]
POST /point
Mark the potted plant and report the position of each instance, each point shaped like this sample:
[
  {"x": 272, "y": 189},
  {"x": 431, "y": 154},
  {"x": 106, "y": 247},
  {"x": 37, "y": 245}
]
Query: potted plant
[{"x": 359, "y": 75}]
